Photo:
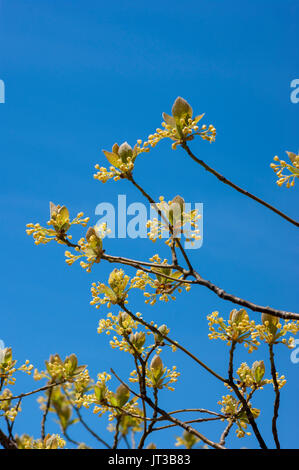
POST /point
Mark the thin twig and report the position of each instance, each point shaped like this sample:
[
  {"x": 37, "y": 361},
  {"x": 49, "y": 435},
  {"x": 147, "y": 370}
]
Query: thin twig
[
  {"x": 237, "y": 188},
  {"x": 226, "y": 432},
  {"x": 198, "y": 420},
  {"x": 246, "y": 406},
  {"x": 42, "y": 389},
  {"x": 277, "y": 397},
  {"x": 46, "y": 411},
  {"x": 116, "y": 435}
]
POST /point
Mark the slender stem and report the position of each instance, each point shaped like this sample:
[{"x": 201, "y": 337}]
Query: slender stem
[
  {"x": 194, "y": 410},
  {"x": 231, "y": 361},
  {"x": 277, "y": 397},
  {"x": 190, "y": 421},
  {"x": 246, "y": 406},
  {"x": 237, "y": 188},
  {"x": 154, "y": 419},
  {"x": 46, "y": 411},
  {"x": 41, "y": 389},
  {"x": 245, "y": 303},
  {"x": 226, "y": 432},
  {"x": 66, "y": 435},
  {"x": 116, "y": 435}
]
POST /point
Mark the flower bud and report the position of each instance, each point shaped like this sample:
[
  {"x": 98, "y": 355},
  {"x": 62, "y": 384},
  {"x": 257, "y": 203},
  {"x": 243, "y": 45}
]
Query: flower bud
[
  {"x": 163, "y": 330},
  {"x": 156, "y": 364},
  {"x": 270, "y": 322},
  {"x": 71, "y": 363},
  {"x": 60, "y": 217},
  {"x": 258, "y": 370},
  {"x": 115, "y": 148},
  {"x": 100, "y": 392},
  {"x": 122, "y": 395},
  {"x": 181, "y": 109},
  {"x": 5, "y": 356},
  {"x": 137, "y": 339},
  {"x": 236, "y": 316},
  {"x": 124, "y": 320},
  {"x": 125, "y": 151},
  {"x": 90, "y": 232}
]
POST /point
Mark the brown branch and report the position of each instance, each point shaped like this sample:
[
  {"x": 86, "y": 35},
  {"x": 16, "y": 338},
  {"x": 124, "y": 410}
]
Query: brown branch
[
  {"x": 237, "y": 188},
  {"x": 46, "y": 411},
  {"x": 199, "y": 420},
  {"x": 277, "y": 397},
  {"x": 42, "y": 389},
  {"x": 199, "y": 280},
  {"x": 194, "y": 410},
  {"x": 150, "y": 429},
  {"x": 245, "y": 303},
  {"x": 6, "y": 442},
  {"x": 246, "y": 406},
  {"x": 116, "y": 435},
  {"x": 226, "y": 432}
]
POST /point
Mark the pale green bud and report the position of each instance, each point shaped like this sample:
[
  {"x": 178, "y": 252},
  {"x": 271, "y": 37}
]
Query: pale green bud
[
  {"x": 122, "y": 395},
  {"x": 125, "y": 151},
  {"x": 164, "y": 331},
  {"x": 236, "y": 316},
  {"x": 156, "y": 364},
  {"x": 258, "y": 370},
  {"x": 138, "y": 339},
  {"x": 271, "y": 322},
  {"x": 181, "y": 109}
]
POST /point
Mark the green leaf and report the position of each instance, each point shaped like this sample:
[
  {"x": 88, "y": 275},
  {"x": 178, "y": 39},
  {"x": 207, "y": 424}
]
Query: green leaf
[
  {"x": 112, "y": 158},
  {"x": 170, "y": 121}
]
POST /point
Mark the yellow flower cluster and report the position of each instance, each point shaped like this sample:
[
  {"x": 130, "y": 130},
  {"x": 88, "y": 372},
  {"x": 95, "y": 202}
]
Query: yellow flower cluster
[
  {"x": 181, "y": 126},
  {"x": 252, "y": 377},
  {"x": 233, "y": 409},
  {"x": 51, "y": 441},
  {"x": 122, "y": 160},
  {"x": 8, "y": 367},
  {"x": 157, "y": 376},
  {"x": 10, "y": 412},
  {"x": 60, "y": 221},
  {"x": 292, "y": 167},
  {"x": 58, "y": 370},
  {"x": 239, "y": 328},
  {"x": 174, "y": 213},
  {"x": 128, "y": 339},
  {"x": 273, "y": 331},
  {"x": 90, "y": 247},
  {"x": 114, "y": 294},
  {"x": 163, "y": 286}
]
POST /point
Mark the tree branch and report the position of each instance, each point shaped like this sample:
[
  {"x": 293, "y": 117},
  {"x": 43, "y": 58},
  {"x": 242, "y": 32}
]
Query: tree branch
[
  {"x": 237, "y": 188},
  {"x": 277, "y": 397}
]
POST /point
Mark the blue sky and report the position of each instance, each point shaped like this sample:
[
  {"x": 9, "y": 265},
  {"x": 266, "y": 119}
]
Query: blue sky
[{"x": 80, "y": 76}]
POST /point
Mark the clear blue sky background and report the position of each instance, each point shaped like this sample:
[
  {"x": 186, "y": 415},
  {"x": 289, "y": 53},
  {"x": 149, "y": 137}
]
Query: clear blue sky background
[{"x": 80, "y": 76}]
